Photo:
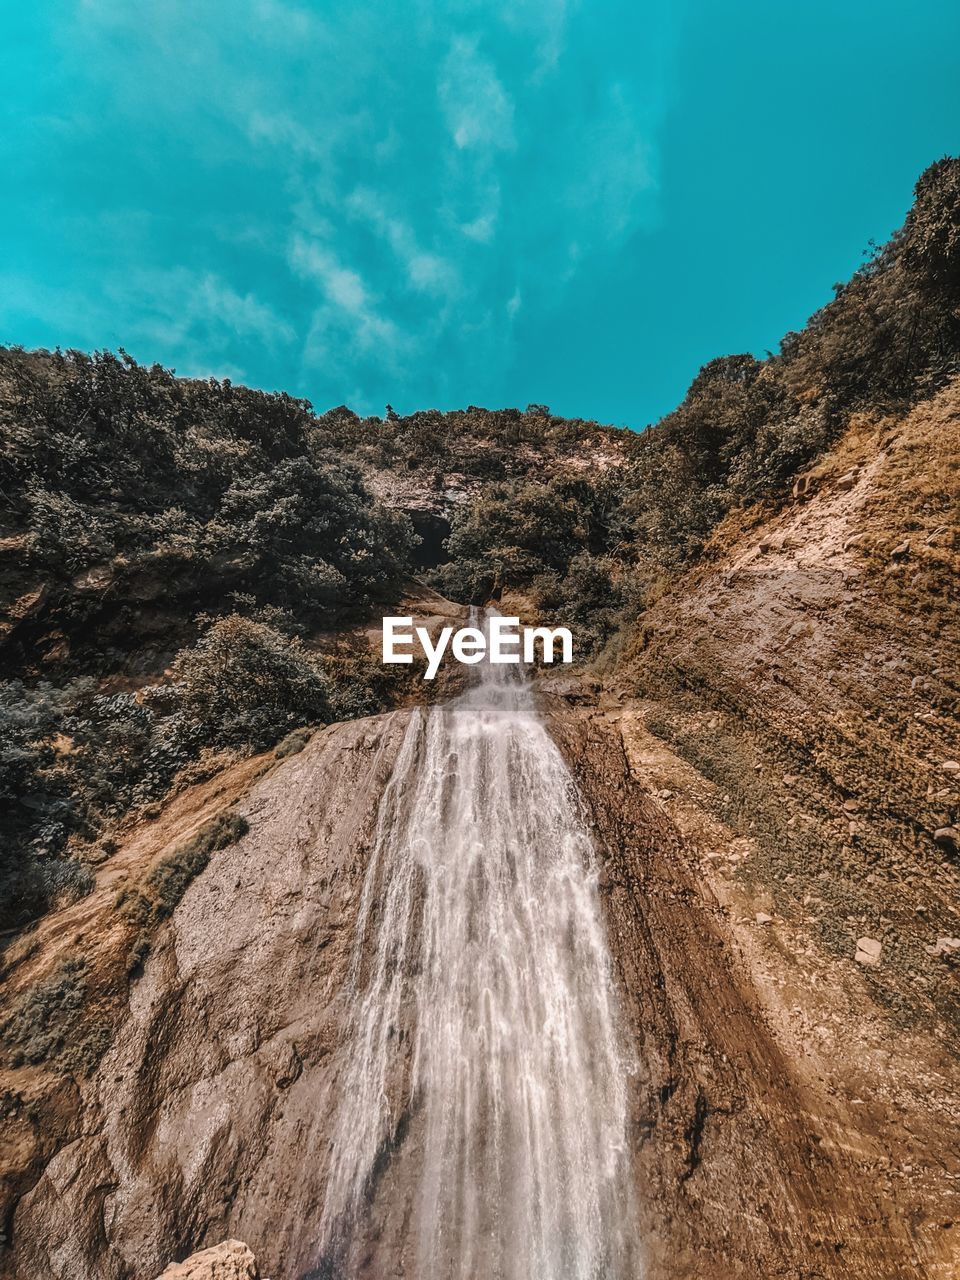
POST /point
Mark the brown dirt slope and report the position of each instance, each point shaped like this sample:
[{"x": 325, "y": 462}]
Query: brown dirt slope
[{"x": 791, "y": 706}]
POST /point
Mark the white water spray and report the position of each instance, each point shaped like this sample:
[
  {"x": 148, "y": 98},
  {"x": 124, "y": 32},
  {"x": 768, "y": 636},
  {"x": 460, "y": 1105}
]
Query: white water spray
[{"x": 485, "y": 1013}]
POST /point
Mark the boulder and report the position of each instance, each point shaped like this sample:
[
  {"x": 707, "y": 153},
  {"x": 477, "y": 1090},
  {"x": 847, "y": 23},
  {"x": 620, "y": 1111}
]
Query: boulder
[
  {"x": 29, "y": 604},
  {"x": 98, "y": 578},
  {"x": 868, "y": 951},
  {"x": 231, "y": 1260},
  {"x": 570, "y": 688}
]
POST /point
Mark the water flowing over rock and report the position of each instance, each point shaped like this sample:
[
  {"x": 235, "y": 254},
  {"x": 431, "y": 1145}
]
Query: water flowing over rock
[
  {"x": 759, "y": 1143},
  {"x": 486, "y": 1065}
]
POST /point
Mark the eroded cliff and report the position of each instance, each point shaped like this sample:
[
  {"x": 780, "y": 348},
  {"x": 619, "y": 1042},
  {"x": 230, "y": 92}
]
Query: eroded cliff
[
  {"x": 768, "y": 775},
  {"x": 777, "y": 1116}
]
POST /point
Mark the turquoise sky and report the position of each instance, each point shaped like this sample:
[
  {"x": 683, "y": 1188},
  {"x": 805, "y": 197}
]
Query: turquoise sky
[{"x": 458, "y": 203}]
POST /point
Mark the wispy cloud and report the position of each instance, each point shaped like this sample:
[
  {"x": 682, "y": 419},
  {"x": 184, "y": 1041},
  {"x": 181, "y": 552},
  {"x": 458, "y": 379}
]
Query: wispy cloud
[
  {"x": 341, "y": 286},
  {"x": 477, "y": 109},
  {"x": 375, "y": 204},
  {"x": 193, "y": 315},
  {"x": 424, "y": 269},
  {"x": 286, "y": 133},
  {"x": 346, "y": 328}
]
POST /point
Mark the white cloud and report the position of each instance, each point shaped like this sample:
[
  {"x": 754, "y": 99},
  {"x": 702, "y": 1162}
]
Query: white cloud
[
  {"x": 187, "y": 312},
  {"x": 477, "y": 109},
  {"x": 346, "y": 325},
  {"x": 248, "y": 317},
  {"x": 285, "y": 20},
  {"x": 343, "y": 287},
  {"x": 280, "y": 130},
  {"x": 611, "y": 183},
  {"x": 424, "y": 270},
  {"x": 545, "y": 23},
  {"x": 399, "y": 184},
  {"x": 481, "y": 225}
]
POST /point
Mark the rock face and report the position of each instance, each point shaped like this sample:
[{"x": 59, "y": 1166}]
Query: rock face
[
  {"x": 759, "y": 1150},
  {"x": 231, "y": 1260},
  {"x": 765, "y": 1144},
  {"x": 205, "y": 1119}
]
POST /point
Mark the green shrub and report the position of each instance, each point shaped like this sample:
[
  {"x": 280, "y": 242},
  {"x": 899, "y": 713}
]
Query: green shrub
[
  {"x": 517, "y": 531},
  {"x": 139, "y": 950},
  {"x": 245, "y": 683},
  {"x": 39, "y": 798},
  {"x": 891, "y": 334},
  {"x": 293, "y": 743},
  {"x": 930, "y": 249},
  {"x": 157, "y": 894},
  {"x": 73, "y": 761},
  {"x": 49, "y": 1022},
  {"x": 588, "y": 599},
  {"x": 467, "y": 580},
  {"x": 42, "y": 1017}
]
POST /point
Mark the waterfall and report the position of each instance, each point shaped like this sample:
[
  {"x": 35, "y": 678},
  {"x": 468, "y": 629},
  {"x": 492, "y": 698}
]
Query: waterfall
[{"x": 485, "y": 1018}]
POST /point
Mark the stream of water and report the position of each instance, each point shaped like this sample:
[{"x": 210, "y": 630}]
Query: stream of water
[{"x": 485, "y": 1019}]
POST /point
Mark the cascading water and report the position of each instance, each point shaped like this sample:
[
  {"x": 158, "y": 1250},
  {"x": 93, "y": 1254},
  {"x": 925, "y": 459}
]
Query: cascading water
[{"x": 485, "y": 1014}]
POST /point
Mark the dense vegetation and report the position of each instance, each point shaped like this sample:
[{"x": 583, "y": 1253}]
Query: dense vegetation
[
  {"x": 481, "y": 444},
  {"x": 142, "y": 513},
  {"x": 173, "y": 551},
  {"x": 201, "y": 487}
]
